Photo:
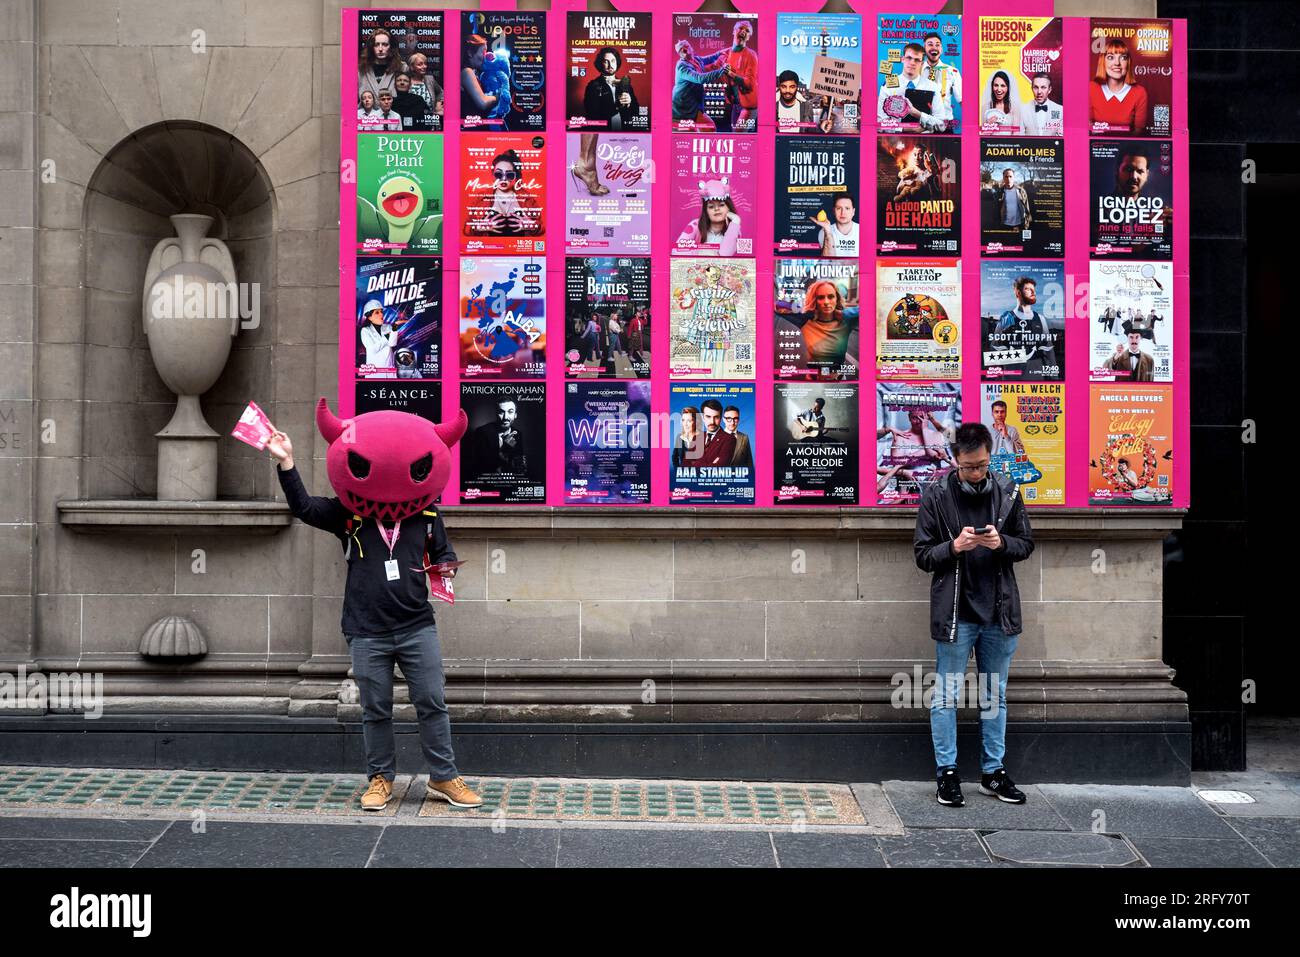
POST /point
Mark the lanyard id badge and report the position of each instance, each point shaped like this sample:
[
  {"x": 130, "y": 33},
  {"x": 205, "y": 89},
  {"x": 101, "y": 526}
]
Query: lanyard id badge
[{"x": 390, "y": 567}]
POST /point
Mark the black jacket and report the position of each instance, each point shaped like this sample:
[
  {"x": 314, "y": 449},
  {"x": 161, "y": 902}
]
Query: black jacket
[
  {"x": 938, "y": 524},
  {"x": 372, "y": 605}
]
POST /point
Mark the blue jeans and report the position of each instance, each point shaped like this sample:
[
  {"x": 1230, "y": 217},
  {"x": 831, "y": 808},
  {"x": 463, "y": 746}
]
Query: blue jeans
[
  {"x": 417, "y": 651},
  {"x": 993, "y": 650}
]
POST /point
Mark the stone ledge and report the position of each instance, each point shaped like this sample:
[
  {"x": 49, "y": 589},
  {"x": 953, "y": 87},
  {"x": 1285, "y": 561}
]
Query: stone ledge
[
  {"x": 130, "y": 671},
  {"x": 151, "y": 516},
  {"x": 524, "y": 521},
  {"x": 581, "y": 692},
  {"x": 228, "y": 723},
  {"x": 569, "y": 522}
]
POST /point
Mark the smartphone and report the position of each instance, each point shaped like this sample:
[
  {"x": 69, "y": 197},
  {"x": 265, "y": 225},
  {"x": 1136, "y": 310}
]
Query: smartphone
[{"x": 983, "y": 529}]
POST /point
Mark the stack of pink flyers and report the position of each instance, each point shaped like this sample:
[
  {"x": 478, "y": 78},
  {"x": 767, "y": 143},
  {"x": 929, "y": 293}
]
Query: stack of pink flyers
[
  {"x": 253, "y": 427},
  {"x": 439, "y": 581}
]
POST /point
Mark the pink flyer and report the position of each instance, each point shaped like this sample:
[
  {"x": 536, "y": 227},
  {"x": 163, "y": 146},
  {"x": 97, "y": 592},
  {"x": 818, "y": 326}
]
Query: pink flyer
[
  {"x": 607, "y": 193},
  {"x": 253, "y": 427},
  {"x": 714, "y": 195}
]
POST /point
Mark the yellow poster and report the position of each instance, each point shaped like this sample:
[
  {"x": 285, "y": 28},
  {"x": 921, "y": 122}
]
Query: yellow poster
[
  {"x": 1021, "y": 72},
  {"x": 1027, "y": 420}
]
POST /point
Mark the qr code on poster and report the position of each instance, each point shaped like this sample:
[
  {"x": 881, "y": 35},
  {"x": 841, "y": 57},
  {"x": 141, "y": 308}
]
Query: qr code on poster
[
  {"x": 1031, "y": 494},
  {"x": 1160, "y": 117},
  {"x": 744, "y": 351},
  {"x": 744, "y": 246}
]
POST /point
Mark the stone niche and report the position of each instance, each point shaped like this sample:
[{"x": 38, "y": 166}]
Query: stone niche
[
  {"x": 117, "y": 562},
  {"x": 163, "y": 169}
]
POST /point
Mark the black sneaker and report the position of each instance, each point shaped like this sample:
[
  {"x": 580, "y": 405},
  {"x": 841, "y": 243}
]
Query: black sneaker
[
  {"x": 949, "y": 790},
  {"x": 999, "y": 785}
]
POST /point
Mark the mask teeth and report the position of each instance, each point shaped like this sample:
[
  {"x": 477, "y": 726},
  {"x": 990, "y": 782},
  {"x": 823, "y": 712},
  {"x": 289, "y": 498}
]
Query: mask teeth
[{"x": 387, "y": 511}]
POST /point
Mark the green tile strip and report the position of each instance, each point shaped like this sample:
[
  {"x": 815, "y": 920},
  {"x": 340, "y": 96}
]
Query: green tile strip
[
  {"x": 557, "y": 800},
  {"x": 180, "y": 790},
  {"x": 685, "y": 802}
]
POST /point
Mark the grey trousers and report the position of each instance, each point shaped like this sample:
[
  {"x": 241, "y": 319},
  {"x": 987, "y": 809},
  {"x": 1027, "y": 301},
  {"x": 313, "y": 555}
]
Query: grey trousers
[{"x": 418, "y": 653}]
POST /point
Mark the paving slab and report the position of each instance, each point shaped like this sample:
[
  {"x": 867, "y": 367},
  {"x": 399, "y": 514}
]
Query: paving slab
[
  {"x": 252, "y": 844},
  {"x": 82, "y": 829},
  {"x": 1136, "y": 811},
  {"x": 879, "y": 814},
  {"x": 78, "y": 853},
  {"x": 1060, "y": 847},
  {"x": 1197, "y": 852},
  {"x": 444, "y": 847},
  {"x": 682, "y": 847},
  {"x": 1277, "y": 838},
  {"x": 914, "y": 801},
  {"x": 1276, "y": 793},
  {"x": 934, "y": 848},
  {"x": 826, "y": 850}
]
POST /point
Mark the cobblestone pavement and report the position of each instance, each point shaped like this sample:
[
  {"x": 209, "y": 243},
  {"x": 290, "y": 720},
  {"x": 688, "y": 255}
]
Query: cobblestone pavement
[{"x": 87, "y": 817}]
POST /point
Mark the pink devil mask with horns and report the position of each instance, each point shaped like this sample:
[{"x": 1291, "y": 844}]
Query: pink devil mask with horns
[{"x": 388, "y": 465}]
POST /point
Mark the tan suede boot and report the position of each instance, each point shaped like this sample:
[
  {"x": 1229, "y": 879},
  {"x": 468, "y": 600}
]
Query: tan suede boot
[
  {"x": 378, "y": 794},
  {"x": 455, "y": 792}
]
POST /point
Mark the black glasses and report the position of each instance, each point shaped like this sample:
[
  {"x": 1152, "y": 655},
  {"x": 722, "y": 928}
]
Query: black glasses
[{"x": 504, "y": 174}]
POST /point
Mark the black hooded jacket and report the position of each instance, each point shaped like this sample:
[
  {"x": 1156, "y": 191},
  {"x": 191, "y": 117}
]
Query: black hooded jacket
[{"x": 938, "y": 524}]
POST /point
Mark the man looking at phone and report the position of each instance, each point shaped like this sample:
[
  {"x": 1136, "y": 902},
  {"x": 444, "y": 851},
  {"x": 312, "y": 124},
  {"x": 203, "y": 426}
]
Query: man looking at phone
[{"x": 970, "y": 530}]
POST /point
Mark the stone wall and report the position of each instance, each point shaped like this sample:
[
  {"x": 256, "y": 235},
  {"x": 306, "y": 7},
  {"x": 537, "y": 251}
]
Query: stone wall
[
  {"x": 142, "y": 112},
  {"x": 19, "y": 171},
  {"x": 563, "y": 614},
  {"x": 658, "y": 615}
]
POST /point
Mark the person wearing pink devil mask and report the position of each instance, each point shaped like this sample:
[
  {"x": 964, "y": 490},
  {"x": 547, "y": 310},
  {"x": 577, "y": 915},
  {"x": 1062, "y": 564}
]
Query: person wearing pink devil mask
[
  {"x": 715, "y": 231},
  {"x": 387, "y": 469}
]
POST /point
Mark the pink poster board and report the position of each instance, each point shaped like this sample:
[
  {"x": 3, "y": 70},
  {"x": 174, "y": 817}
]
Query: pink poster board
[{"x": 664, "y": 230}]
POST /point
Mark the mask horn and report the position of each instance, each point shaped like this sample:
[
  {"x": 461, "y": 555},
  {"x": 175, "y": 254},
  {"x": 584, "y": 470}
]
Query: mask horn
[
  {"x": 330, "y": 425},
  {"x": 451, "y": 432}
]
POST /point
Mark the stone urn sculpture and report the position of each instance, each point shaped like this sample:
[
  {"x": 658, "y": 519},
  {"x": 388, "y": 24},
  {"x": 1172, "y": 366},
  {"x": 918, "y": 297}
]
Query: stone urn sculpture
[{"x": 190, "y": 317}]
